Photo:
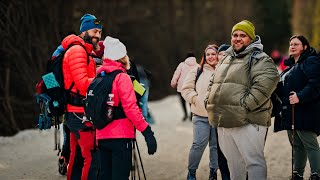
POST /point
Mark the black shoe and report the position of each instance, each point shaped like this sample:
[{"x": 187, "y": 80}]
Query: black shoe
[
  {"x": 213, "y": 174},
  {"x": 314, "y": 176},
  {"x": 184, "y": 118},
  {"x": 62, "y": 165},
  {"x": 192, "y": 175},
  {"x": 296, "y": 176}
]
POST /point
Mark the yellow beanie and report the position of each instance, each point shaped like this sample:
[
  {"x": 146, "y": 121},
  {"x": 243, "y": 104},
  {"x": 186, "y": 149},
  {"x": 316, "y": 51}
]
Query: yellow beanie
[{"x": 245, "y": 26}]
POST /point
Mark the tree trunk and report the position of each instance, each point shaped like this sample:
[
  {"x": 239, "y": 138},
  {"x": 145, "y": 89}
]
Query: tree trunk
[{"x": 8, "y": 100}]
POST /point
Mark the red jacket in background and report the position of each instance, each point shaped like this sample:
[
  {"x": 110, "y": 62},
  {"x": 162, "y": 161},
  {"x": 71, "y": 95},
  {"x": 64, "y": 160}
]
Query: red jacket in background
[
  {"x": 122, "y": 88},
  {"x": 76, "y": 69}
]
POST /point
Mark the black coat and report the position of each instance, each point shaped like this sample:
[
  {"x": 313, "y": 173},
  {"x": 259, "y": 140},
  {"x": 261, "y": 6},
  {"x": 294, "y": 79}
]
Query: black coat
[{"x": 302, "y": 77}]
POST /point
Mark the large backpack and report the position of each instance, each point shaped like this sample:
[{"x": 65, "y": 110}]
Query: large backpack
[
  {"x": 51, "y": 94},
  {"x": 95, "y": 104}
]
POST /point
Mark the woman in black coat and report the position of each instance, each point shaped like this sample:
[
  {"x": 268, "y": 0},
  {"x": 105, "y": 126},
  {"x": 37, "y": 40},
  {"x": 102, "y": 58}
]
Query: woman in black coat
[{"x": 300, "y": 92}]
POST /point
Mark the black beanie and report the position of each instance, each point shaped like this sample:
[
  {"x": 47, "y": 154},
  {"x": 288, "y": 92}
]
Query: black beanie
[
  {"x": 190, "y": 54},
  {"x": 223, "y": 47}
]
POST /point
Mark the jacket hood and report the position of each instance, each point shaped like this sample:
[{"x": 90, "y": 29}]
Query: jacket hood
[
  {"x": 73, "y": 39},
  {"x": 191, "y": 61},
  {"x": 254, "y": 46},
  {"x": 110, "y": 65}
]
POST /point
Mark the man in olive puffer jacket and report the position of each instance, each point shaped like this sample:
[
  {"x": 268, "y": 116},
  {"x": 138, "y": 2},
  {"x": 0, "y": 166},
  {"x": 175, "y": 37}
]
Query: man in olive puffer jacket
[{"x": 239, "y": 102}]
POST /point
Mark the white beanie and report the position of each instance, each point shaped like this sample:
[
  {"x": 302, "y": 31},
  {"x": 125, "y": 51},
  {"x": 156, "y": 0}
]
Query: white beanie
[{"x": 113, "y": 49}]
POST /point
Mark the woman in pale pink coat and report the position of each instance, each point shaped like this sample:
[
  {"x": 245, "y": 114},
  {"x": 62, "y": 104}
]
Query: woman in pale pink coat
[{"x": 180, "y": 74}]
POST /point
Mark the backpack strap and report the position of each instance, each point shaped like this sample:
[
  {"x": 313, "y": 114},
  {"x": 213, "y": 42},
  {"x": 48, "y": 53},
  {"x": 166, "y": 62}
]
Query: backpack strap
[
  {"x": 76, "y": 99},
  {"x": 88, "y": 54}
]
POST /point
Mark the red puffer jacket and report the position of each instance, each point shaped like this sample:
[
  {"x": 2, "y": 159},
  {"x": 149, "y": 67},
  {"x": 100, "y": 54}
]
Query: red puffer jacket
[
  {"x": 122, "y": 89},
  {"x": 76, "y": 69}
]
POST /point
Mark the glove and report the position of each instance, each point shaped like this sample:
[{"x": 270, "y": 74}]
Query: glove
[{"x": 150, "y": 140}]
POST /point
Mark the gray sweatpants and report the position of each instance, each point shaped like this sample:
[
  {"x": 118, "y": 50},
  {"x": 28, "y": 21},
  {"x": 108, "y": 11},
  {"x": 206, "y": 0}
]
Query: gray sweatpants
[
  {"x": 202, "y": 134},
  {"x": 243, "y": 148}
]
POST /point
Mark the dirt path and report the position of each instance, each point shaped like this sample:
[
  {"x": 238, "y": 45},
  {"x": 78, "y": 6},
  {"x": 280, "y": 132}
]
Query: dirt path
[{"x": 30, "y": 155}]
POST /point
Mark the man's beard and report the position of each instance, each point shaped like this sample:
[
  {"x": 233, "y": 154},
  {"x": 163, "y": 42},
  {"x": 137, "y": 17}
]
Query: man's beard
[
  {"x": 239, "y": 50},
  {"x": 88, "y": 39}
]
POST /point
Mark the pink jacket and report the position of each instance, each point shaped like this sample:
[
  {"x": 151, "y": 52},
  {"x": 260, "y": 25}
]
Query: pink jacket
[
  {"x": 181, "y": 72},
  {"x": 122, "y": 89}
]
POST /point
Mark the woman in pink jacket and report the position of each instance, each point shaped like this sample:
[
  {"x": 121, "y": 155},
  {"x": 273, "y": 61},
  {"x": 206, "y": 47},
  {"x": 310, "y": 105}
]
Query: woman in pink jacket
[
  {"x": 115, "y": 140},
  {"x": 179, "y": 76}
]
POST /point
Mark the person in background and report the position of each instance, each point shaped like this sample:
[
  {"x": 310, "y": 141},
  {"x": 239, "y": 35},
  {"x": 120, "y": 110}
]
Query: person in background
[
  {"x": 300, "y": 92},
  {"x": 115, "y": 139},
  {"x": 97, "y": 57},
  {"x": 193, "y": 90},
  {"x": 239, "y": 102},
  {"x": 278, "y": 60},
  {"x": 145, "y": 76},
  {"x": 179, "y": 76},
  {"x": 222, "y": 161},
  {"x": 79, "y": 70}
]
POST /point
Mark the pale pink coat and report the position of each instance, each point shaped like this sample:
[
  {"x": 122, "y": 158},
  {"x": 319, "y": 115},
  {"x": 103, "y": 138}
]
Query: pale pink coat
[{"x": 181, "y": 72}]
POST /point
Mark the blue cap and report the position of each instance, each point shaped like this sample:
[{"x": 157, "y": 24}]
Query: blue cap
[{"x": 88, "y": 22}]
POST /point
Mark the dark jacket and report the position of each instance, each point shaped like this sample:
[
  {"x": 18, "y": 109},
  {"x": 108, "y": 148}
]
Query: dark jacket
[{"x": 303, "y": 78}]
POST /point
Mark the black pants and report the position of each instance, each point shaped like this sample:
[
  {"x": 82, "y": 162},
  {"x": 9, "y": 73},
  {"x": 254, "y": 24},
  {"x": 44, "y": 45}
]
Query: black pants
[
  {"x": 115, "y": 159},
  {"x": 184, "y": 105},
  {"x": 223, "y": 164}
]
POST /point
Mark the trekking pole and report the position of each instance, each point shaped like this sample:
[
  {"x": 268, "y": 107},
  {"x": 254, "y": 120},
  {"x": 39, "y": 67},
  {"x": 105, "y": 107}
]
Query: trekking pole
[
  {"x": 55, "y": 134},
  {"x": 132, "y": 174},
  {"x": 144, "y": 174},
  {"x": 136, "y": 160},
  {"x": 292, "y": 140}
]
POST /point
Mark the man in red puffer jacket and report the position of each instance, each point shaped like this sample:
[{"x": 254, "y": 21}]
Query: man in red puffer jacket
[{"x": 79, "y": 69}]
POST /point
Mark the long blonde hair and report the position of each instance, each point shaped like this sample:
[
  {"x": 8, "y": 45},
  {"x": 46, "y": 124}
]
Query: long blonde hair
[{"x": 125, "y": 61}]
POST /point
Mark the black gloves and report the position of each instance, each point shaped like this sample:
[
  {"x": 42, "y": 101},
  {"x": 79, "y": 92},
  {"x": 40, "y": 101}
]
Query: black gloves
[{"x": 150, "y": 140}]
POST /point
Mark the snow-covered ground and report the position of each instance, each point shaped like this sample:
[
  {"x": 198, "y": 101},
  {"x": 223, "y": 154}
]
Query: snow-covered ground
[{"x": 30, "y": 154}]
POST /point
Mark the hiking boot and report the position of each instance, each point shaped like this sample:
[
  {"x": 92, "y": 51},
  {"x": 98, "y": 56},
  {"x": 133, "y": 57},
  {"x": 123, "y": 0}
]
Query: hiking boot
[
  {"x": 191, "y": 175},
  {"x": 314, "y": 176},
  {"x": 62, "y": 165},
  {"x": 296, "y": 176},
  {"x": 213, "y": 174}
]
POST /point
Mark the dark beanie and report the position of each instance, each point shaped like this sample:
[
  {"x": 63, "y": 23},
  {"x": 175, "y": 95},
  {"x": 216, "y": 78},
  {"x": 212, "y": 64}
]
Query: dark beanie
[
  {"x": 88, "y": 22},
  {"x": 190, "y": 54},
  {"x": 223, "y": 47}
]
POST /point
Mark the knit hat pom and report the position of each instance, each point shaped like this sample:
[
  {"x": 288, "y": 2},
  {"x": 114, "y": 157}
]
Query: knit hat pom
[
  {"x": 114, "y": 49},
  {"x": 245, "y": 26}
]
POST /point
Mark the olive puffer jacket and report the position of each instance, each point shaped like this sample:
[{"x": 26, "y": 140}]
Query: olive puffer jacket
[{"x": 241, "y": 95}]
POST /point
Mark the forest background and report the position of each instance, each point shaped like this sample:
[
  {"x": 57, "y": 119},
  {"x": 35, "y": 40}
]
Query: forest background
[{"x": 157, "y": 34}]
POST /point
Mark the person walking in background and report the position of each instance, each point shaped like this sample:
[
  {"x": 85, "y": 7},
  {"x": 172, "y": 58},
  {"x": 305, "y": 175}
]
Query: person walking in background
[
  {"x": 115, "y": 139},
  {"x": 239, "y": 102},
  {"x": 193, "y": 91},
  {"x": 300, "y": 92},
  {"x": 79, "y": 70},
  {"x": 179, "y": 76},
  {"x": 145, "y": 76}
]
